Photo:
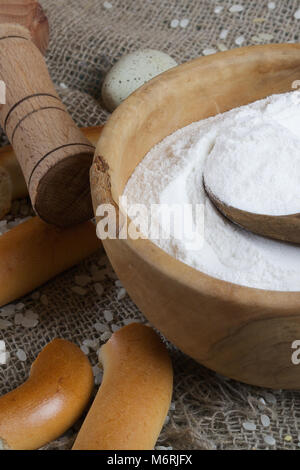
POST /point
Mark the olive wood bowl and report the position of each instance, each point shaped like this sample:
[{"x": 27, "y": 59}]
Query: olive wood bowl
[{"x": 240, "y": 332}]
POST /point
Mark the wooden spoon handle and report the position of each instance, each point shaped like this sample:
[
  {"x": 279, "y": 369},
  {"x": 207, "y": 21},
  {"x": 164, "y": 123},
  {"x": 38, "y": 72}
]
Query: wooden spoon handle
[{"x": 54, "y": 155}]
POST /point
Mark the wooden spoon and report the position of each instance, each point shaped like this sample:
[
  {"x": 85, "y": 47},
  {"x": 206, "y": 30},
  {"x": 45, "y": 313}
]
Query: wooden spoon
[
  {"x": 278, "y": 227},
  {"x": 55, "y": 157}
]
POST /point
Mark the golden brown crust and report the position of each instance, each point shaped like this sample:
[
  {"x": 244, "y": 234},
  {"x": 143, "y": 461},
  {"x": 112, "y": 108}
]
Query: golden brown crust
[
  {"x": 34, "y": 252},
  {"x": 50, "y": 401},
  {"x": 133, "y": 400}
]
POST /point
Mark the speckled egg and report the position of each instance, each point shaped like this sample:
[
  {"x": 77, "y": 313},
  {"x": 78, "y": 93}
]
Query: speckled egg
[{"x": 131, "y": 72}]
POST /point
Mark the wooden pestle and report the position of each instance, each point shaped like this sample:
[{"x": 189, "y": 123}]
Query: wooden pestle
[{"x": 54, "y": 155}]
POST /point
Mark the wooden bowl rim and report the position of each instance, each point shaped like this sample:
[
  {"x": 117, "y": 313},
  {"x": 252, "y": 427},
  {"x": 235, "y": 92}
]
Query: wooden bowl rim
[{"x": 149, "y": 252}]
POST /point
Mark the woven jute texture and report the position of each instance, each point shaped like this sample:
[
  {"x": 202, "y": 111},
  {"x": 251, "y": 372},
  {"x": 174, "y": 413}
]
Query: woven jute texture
[{"x": 87, "y": 38}]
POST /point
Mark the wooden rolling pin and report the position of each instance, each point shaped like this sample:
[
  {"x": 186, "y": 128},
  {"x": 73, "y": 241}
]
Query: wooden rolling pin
[
  {"x": 54, "y": 155},
  {"x": 12, "y": 183}
]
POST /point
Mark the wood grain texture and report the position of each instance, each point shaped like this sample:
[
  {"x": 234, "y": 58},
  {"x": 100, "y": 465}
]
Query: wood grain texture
[
  {"x": 9, "y": 162},
  {"x": 27, "y": 13},
  {"x": 237, "y": 331},
  {"x": 54, "y": 155}
]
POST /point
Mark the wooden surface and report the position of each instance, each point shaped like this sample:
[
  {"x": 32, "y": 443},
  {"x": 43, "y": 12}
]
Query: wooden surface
[
  {"x": 240, "y": 332},
  {"x": 27, "y": 13},
  {"x": 9, "y": 162},
  {"x": 279, "y": 227},
  {"x": 54, "y": 155}
]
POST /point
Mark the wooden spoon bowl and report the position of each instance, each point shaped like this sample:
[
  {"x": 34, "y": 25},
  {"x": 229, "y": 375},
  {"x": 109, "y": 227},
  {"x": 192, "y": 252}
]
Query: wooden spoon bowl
[
  {"x": 244, "y": 333},
  {"x": 277, "y": 227}
]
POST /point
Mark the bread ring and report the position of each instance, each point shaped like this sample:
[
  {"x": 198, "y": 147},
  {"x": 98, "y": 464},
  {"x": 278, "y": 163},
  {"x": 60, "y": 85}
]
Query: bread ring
[
  {"x": 34, "y": 252},
  {"x": 131, "y": 405},
  {"x": 50, "y": 401}
]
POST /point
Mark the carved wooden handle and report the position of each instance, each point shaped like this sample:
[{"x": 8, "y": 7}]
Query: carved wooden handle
[{"x": 54, "y": 155}]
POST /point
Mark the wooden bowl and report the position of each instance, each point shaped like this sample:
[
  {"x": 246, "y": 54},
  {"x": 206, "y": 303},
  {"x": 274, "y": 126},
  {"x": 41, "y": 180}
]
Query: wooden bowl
[{"x": 240, "y": 332}]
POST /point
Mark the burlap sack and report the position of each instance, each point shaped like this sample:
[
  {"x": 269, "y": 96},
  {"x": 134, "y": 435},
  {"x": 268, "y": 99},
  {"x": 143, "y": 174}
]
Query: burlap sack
[{"x": 208, "y": 411}]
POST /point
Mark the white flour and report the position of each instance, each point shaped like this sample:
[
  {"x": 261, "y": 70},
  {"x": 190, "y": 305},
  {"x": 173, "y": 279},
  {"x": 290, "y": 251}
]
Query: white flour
[
  {"x": 173, "y": 171},
  {"x": 255, "y": 165}
]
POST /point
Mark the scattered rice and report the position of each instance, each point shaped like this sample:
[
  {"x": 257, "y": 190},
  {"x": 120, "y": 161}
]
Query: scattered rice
[
  {"x": 271, "y": 5},
  {"x": 21, "y": 355},
  {"x": 91, "y": 343},
  {"x": 236, "y": 8},
  {"x": 98, "y": 379},
  {"x": 163, "y": 448},
  {"x": 29, "y": 322},
  {"x": 288, "y": 438},
  {"x": 85, "y": 349},
  {"x": 239, "y": 40},
  {"x": 209, "y": 51},
  {"x": 30, "y": 315},
  {"x": 114, "y": 328},
  {"x": 3, "y": 224},
  {"x": 261, "y": 404},
  {"x": 105, "y": 336},
  {"x": 7, "y": 310},
  {"x": 270, "y": 398},
  {"x": 269, "y": 440},
  {"x": 183, "y": 23},
  {"x": 265, "y": 421},
  {"x": 249, "y": 426},
  {"x": 258, "y": 20},
  {"x": 20, "y": 306},
  {"x": 222, "y": 47},
  {"x": 118, "y": 283},
  {"x": 108, "y": 315},
  {"x": 218, "y": 9},
  {"x": 265, "y": 36},
  {"x": 224, "y": 33},
  {"x": 18, "y": 318},
  {"x": 128, "y": 321},
  {"x": 107, "y": 5},
  {"x": 98, "y": 374},
  {"x": 2, "y": 345},
  {"x": 121, "y": 294},
  {"x": 172, "y": 406},
  {"x": 4, "y": 357},
  {"x": 100, "y": 327},
  {"x": 297, "y": 14},
  {"x": 174, "y": 23}
]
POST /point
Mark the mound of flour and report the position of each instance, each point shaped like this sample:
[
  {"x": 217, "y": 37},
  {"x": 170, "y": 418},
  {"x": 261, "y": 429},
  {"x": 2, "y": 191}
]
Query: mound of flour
[
  {"x": 255, "y": 166},
  {"x": 173, "y": 172}
]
